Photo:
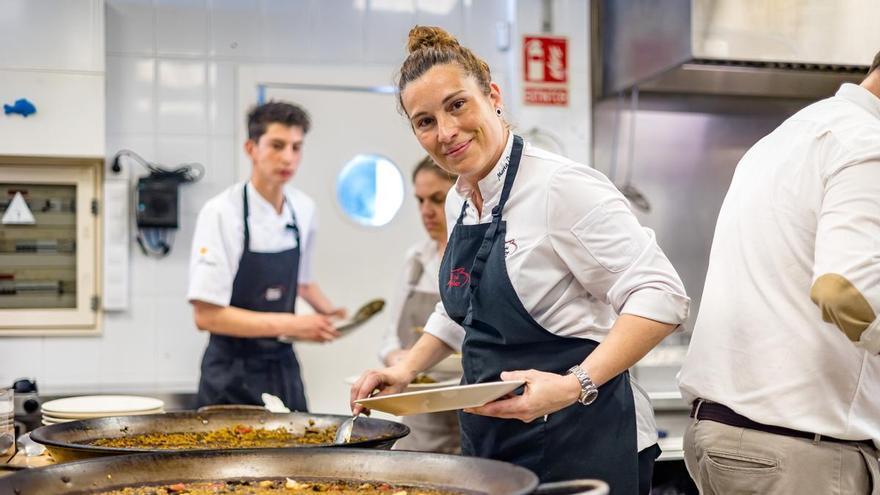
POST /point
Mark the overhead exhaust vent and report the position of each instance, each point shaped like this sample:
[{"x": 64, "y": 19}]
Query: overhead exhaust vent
[{"x": 773, "y": 48}]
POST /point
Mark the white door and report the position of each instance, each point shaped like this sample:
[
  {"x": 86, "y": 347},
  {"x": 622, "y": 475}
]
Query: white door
[{"x": 353, "y": 263}]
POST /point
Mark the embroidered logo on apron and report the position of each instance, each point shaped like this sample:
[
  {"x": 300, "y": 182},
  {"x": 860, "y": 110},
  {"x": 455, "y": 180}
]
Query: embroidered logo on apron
[
  {"x": 458, "y": 278},
  {"x": 510, "y": 247}
]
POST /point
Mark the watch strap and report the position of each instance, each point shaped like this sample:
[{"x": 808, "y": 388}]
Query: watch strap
[{"x": 589, "y": 391}]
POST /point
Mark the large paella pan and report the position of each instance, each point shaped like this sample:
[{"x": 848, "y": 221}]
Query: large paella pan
[
  {"x": 387, "y": 472},
  {"x": 249, "y": 429}
]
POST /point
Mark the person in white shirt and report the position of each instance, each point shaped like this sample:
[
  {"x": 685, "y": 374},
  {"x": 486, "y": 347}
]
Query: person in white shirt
[
  {"x": 251, "y": 257},
  {"x": 782, "y": 369},
  {"x": 419, "y": 294},
  {"x": 547, "y": 278}
]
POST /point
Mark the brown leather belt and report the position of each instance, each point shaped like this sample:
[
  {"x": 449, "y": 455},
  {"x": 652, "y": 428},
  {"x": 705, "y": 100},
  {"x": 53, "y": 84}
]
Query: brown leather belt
[{"x": 713, "y": 411}]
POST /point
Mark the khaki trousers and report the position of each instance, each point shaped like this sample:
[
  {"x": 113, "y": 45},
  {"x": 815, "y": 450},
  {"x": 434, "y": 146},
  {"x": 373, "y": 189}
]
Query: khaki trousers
[{"x": 729, "y": 460}]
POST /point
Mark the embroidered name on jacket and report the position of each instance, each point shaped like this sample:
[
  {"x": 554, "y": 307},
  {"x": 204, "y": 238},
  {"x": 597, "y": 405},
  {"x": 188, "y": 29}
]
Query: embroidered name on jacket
[
  {"x": 458, "y": 277},
  {"x": 500, "y": 173}
]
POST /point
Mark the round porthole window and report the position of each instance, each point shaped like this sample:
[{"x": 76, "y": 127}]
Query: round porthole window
[{"x": 370, "y": 190}]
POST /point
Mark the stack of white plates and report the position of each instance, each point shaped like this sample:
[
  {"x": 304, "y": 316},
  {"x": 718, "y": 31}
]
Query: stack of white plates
[
  {"x": 6, "y": 422},
  {"x": 6, "y": 413},
  {"x": 98, "y": 406}
]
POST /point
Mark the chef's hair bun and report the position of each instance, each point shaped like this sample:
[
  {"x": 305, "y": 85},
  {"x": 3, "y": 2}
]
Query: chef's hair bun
[{"x": 421, "y": 37}]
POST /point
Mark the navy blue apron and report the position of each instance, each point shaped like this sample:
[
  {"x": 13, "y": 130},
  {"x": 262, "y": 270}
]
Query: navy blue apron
[
  {"x": 595, "y": 441},
  {"x": 238, "y": 370}
]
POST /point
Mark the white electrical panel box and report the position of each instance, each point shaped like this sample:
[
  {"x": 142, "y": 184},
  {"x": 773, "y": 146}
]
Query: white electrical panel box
[{"x": 50, "y": 231}]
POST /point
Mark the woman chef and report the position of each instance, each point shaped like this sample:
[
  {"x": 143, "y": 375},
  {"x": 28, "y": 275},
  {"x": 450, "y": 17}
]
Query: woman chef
[
  {"x": 437, "y": 432},
  {"x": 251, "y": 257},
  {"x": 547, "y": 277}
]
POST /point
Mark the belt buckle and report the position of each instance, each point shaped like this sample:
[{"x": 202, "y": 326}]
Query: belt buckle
[{"x": 697, "y": 408}]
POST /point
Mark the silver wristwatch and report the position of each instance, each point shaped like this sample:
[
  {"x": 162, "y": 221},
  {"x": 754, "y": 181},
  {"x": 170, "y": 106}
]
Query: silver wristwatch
[{"x": 589, "y": 391}]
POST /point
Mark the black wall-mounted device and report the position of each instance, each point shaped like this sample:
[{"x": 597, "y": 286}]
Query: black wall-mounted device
[{"x": 157, "y": 201}]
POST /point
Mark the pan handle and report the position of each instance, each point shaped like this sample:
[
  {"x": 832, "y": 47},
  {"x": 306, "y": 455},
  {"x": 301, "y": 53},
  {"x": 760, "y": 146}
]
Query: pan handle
[
  {"x": 573, "y": 487},
  {"x": 13, "y": 467}
]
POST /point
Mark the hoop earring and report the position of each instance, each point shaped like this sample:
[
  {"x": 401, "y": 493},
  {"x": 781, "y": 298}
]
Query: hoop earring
[{"x": 498, "y": 111}]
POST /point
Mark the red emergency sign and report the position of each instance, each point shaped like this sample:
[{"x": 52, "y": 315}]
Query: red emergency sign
[{"x": 545, "y": 70}]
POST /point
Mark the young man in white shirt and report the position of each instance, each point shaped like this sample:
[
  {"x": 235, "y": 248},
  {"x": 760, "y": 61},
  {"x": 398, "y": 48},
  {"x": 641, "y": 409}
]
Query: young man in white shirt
[
  {"x": 251, "y": 257},
  {"x": 782, "y": 369}
]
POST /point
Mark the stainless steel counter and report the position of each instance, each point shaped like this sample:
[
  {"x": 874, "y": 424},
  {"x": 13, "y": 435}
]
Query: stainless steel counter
[{"x": 672, "y": 415}]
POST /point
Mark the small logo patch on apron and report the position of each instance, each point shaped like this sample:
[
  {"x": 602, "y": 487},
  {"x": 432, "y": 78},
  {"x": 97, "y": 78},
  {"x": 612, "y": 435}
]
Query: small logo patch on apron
[{"x": 274, "y": 293}]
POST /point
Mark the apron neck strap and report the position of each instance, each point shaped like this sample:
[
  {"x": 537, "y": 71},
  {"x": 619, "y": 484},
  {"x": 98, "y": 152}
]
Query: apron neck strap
[
  {"x": 417, "y": 268},
  {"x": 492, "y": 231},
  {"x": 293, "y": 225},
  {"x": 512, "y": 166},
  {"x": 247, "y": 234},
  {"x": 462, "y": 212}
]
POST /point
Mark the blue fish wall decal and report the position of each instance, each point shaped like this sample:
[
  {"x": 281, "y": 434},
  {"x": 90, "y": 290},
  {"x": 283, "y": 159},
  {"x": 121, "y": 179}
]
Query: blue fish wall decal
[{"x": 21, "y": 106}]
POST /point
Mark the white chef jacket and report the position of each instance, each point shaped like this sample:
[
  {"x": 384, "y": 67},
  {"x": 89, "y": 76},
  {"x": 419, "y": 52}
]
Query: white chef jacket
[
  {"x": 218, "y": 241},
  {"x": 425, "y": 254},
  {"x": 575, "y": 254},
  {"x": 804, "y": 201}
]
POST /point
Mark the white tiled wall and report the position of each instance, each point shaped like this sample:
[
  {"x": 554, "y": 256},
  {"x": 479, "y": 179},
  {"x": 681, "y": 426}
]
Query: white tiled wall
[
  {"x": 49, "y": 51},
  {"x": 571, "y": 124},
  {"x": 75, "y": 21},
  {"x": 170, "y": 74}
]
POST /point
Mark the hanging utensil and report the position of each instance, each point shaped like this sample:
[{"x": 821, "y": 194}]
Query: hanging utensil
[{"x": 628, "y": 190}]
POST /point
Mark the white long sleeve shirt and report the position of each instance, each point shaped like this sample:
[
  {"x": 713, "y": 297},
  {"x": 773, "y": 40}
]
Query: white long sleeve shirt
[
  {"x": 804, "y": 201},
  {"x": 218, "y": 241},
  {"x": 575, "y": 253}
]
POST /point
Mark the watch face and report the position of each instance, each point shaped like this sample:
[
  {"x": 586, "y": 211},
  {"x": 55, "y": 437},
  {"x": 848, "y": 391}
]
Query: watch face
[{"x": 589, "y": 397}]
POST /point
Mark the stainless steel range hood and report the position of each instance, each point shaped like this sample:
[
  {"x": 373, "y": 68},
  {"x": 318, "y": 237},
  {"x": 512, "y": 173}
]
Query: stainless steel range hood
[{"x": 772, "y": 48}]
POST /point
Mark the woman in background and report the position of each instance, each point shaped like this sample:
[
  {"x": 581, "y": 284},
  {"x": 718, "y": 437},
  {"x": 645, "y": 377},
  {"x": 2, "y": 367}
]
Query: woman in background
[{"x": 416, "y": 301}]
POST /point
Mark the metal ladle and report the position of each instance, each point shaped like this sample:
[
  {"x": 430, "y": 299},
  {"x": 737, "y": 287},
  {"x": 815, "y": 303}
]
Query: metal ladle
[{"x": 343, "y": 433}]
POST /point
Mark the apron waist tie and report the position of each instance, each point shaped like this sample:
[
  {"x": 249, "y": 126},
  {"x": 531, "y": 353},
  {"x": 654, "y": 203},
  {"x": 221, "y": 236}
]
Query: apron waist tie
[
  {"x": 719, "y": 413},
  {"x": 262, "y": 348}
]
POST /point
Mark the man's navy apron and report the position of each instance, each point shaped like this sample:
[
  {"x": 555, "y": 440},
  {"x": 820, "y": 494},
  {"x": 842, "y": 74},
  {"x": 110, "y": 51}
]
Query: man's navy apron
[
  {"x": 595, "y": 441},
  {"x": 238, "y": 370}
]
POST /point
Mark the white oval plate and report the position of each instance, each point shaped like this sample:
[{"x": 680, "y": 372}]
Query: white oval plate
[
  {"x": 60, "y": 417},
  {"x": 48, "y": 420},
  {"x": 412, "y": 387},
  {"x": 417, "y": 386},
  {"x": 88, "y": 406},
  {"x": 441, "y": 399}
]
